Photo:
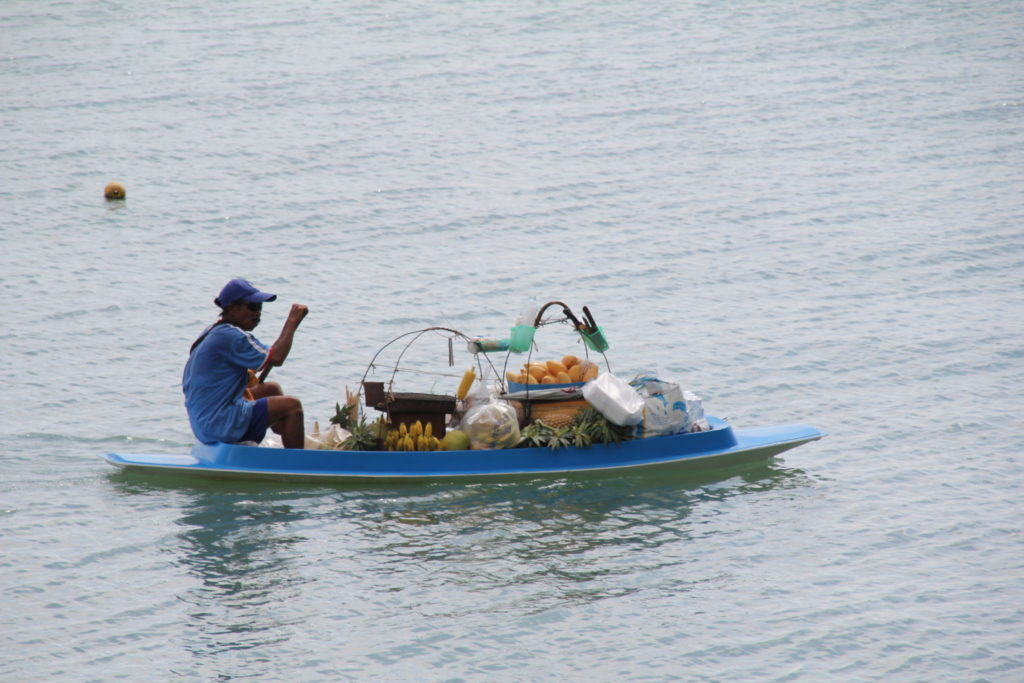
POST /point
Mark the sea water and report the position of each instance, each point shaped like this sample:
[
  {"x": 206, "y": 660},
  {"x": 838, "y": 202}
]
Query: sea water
[{"x": 801, "y": 212}]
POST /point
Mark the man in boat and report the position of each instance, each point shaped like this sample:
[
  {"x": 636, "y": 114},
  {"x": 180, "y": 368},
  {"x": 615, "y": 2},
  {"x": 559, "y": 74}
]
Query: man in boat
[{"x": 225, "y": 400}]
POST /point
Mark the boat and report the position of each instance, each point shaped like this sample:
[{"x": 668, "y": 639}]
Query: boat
[
  {"x": 697, "y": 444},
  {"x": 719, "y": 446}
]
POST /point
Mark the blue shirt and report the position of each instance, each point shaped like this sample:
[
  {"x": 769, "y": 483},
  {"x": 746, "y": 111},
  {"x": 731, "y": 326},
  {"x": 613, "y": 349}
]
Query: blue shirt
[{"x": 215, "y": 377}]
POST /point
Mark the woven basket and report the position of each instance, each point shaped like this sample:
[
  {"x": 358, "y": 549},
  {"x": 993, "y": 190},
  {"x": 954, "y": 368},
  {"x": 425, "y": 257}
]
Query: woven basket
[{"x": 556, "y": 413}]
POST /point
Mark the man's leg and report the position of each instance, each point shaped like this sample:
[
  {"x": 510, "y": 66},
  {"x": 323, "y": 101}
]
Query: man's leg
[{"x": 286, "y": 418}]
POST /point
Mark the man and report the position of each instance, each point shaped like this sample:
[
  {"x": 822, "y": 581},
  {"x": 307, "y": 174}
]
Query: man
[{"x": 217, "y": 374}]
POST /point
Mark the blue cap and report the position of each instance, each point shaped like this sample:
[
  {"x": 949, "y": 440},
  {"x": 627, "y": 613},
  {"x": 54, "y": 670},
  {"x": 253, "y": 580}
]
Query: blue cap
[{"x": 241, "y": 290}]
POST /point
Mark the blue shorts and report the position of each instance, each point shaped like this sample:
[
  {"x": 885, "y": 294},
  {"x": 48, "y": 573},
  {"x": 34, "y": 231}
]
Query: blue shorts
[{"x": 258, "y": 423}]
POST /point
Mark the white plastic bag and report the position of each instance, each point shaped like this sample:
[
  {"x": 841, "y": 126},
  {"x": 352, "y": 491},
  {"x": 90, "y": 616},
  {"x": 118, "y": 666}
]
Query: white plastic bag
[
  {"x": 333, "y": 438},
  {"x": 271, "y": 440},
  {"x": 664, "y": 407},
  {"x": 695, "y": 420},
  {"x": 491, "y": 424},
  {"x": 615, "y": 399},
  {"x": 329, "y": 440}
]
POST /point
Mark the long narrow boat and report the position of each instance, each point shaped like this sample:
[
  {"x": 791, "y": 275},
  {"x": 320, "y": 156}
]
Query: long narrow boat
[{"x": 720, "y": 446}]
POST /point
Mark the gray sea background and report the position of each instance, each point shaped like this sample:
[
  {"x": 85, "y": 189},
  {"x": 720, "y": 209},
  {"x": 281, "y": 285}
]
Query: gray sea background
[{"x": 801, "y": 211}]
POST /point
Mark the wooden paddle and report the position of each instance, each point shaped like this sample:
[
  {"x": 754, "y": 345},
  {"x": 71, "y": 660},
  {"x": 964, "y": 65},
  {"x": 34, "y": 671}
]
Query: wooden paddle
[{"x": 263, "y": 375}]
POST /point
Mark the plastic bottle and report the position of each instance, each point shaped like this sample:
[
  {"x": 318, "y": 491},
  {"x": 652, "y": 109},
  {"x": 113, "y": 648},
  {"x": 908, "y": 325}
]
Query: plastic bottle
[
  {"x": 529, "y": 314},
  {"x": 485, "y": 345},
  {"x": 523, "y": 331}
]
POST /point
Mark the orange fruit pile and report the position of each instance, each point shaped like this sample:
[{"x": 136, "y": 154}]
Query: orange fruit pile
[{"x": 569, "y": 370}]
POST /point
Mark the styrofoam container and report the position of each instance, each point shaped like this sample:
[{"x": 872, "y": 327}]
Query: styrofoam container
[{"x": 614, "y": 398}]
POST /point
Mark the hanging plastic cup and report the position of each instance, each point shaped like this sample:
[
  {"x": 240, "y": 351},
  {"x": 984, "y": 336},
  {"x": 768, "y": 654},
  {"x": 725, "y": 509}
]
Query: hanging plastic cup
[
  {"x": 522, "y": 337},
  {"x": 595, "y": 340}
]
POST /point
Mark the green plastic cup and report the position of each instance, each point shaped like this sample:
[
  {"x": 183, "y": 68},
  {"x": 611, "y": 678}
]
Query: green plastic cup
[
  {"x": 522, "y": 337},
  {"x": 595, "y": 340}
]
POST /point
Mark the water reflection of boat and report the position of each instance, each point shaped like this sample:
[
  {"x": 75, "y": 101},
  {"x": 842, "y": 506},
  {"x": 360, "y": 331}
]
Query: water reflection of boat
[
  {"x": 262, "y": 566},
  {"x": 720, "y": 446},
  {"x": 238, "y": 552}
]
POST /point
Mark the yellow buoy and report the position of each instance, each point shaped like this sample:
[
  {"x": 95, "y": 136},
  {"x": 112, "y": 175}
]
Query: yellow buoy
[{"x": 114, "y": 190}]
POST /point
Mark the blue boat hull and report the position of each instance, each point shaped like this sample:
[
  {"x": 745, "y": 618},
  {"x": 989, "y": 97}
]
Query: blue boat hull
[{"x": 720, "y": 446}]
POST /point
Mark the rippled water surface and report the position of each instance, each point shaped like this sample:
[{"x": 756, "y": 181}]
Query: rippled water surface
[{"x": 805, "y": 212}]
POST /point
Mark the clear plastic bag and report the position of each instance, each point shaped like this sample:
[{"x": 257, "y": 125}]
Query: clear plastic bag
[
  {"x": 667, "y": 408},
  {"x": 491, "y": 424}
]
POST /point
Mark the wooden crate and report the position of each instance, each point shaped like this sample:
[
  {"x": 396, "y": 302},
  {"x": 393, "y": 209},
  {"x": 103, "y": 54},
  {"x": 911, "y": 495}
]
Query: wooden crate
[{"x": 409, "y": 407}]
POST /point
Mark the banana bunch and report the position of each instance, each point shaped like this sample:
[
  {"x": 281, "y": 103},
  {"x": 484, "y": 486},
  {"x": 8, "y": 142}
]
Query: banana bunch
[
  {"x": 412, "y": 438},
  {"x": 569, "y": 370}
]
